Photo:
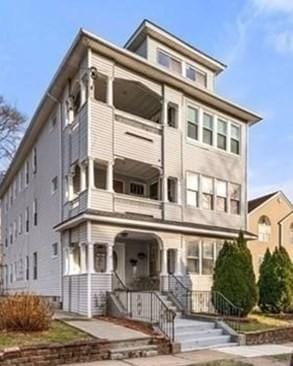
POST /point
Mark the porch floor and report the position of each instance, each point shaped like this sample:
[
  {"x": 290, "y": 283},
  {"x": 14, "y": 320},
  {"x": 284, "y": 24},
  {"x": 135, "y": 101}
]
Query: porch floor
[{"x": 106, "y": 330}]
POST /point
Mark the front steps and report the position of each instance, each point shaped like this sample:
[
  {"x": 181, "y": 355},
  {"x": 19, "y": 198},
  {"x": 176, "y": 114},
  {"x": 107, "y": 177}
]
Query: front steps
[
  {"x": 193, "y": 334},
  {"x": 121, "y": 350}
]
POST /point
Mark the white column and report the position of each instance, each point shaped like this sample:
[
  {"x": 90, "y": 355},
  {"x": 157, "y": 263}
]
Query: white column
[
  {"x": 82, "y": 257},
  {"x": 90, "y": 258},
  {"x": 109, "y": 258},
  {"x": 178, "y": 263},
  {"x": 165, "y": 113},
  {"x": 82, "y": 92},
  {"x": 165, "y": 189},
  {"x": 66, "y": 261},
  {"x": 110, "y": 90},
  {"x": 164, "y": 262},
  {"x": 91, "y": 168},
  {"x": 70, "y": 187},
  {"x": 82, "y": 177},
  {"x": 110, "y": 176}
]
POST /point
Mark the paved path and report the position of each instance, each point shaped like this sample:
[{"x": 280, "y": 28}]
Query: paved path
[
  {"x": 106, "y": 330},
  {"x": 258, "y": 351}
]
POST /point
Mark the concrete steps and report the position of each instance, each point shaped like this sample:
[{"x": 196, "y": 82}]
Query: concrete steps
[
  {"x": 193, "y": 334},
  {"x": 134, "y": 348}
]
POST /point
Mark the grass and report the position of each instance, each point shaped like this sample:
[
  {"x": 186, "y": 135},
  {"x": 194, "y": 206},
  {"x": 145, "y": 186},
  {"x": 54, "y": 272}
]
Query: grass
[
  {"x": 58, "y": 333},
  {"x": 256, "y": 322},
  {"x": 283, "y": 357}
]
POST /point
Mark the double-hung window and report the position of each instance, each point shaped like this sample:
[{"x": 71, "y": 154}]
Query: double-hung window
[
  {"x": 196, "y": 75},
  {"x": 27, "y": 218},
  {"x": 35, "y": 212},
  {"x": 235, "y": 139},
  {"x": 193, "y": 256},
  {"x": 27, "y": 174},
  {"x": 207, "y": 257},
  {"x": 137, "y": 189},
  {"x": 235, "y": 195},
  {"x": 169, "y": 62},
  {"x": 207, "y": 188},
  {"x": 192, "y": 123},
  {"x": 35, "y": 265},
  {"x": 221, "y": 195},
  {"x": 222, "y": 134},
  {"x": 35, "y": 162},
  {"x": 208, "y": 126},
  {"x": 192, "y": 186}
]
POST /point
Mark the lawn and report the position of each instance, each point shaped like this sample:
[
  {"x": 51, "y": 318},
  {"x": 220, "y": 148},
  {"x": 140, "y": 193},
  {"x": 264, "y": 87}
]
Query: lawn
[
  {"x": 257, "y": 322},
  {"x": 58, "y": 333}
]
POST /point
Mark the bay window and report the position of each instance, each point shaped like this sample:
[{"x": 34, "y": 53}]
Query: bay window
[
  {"x": 207, "y": 188},
  {"x": 221, "y": 195},
  {"x": 235, "y": 193},
  {"x": 235, "y": 139},
  {"x": 192, "y": 186},
  {"x": 192, "y": 123},
  {"x": 207, "y": 133},
  {"x": 222, "y": 134}
]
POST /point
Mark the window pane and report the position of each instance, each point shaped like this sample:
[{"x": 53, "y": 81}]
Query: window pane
[
  {"x": 192, "y": 131},
  {"x": 208, "y": 121},
  {"x": 163, "y": 59},
  {"x": 192, "y": 198},
  {"x": 207, "y": 201},
  {"x": 192, "y": 115},
  {"x": 193, "y": 248},
  {"x": 201, "y": 78},
  {"x": 193, "y": 266},
  {"x": 207, "y": 185},
  {"x": 221, "y": 188},
  {"x": 222, "y": 142},
  {"x": 235, "y": 191},
  {"x": 176, "y": 66},
  {"x": 235, "y": 147},
  {"x": 192, "y": 181},
  {"x": 221, "y": 204},
  {"x": 222, "y": 127},
  {"x": 235, "y": 132},
  {"x": 190, "y": 73},
  {"x": 235, "y": 207},
  {"x": 207, "y": 136},
  {"x": 207, "y": 257}
]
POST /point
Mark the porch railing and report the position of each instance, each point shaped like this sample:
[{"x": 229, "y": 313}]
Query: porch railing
[
  {"x": 145, "y": 306},
  {"x": 205, "y": 302}
]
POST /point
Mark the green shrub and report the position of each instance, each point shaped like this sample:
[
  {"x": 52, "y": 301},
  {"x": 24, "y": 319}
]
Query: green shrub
[
  {"x": 234, "y": 277},
  {"x": 25, "y": 312},
  {"x": 276, "y": 282}
]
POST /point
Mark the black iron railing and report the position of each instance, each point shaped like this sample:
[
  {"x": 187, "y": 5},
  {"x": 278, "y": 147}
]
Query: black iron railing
[
  {"x": 205, "y": 302},
  {"x": 145, "y": 306}
]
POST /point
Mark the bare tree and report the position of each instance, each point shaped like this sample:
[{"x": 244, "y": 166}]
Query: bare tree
[{"x": 11, "y": 123}]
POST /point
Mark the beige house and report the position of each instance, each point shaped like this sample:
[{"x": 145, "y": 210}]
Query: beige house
[
  {"x": 270, "y": 218},
  {"x": 132, "y": 173}
]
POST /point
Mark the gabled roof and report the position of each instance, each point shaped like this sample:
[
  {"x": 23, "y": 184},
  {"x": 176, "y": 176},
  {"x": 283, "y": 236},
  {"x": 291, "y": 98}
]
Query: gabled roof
[{"x": 256, "y": 202}]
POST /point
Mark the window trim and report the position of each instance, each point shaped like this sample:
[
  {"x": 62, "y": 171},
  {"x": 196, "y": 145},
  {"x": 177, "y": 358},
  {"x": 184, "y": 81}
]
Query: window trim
[
  {"x": 192, "y": 190},
  {"x": 197, "y": 124},
  {"x": 171, "y": 57},
  {"x": 138, "y": 183}
]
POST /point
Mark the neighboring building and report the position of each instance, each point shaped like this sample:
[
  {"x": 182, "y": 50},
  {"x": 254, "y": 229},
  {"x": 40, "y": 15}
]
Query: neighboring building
[
  {"x": 131, "y": 162},
  {"x": 270, "y": 218}
]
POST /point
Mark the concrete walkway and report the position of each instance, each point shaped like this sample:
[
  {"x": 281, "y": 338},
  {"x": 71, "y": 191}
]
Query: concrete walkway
[
  {"x": 106, "y": 330},
  {"x": 252, "y": 355}
]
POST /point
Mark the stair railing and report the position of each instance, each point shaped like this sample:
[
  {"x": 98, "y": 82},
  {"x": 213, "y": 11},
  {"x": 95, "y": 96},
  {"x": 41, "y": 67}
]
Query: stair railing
[
  {"x": 205, "y": 302},
  {"x": 145, "y": 306}
]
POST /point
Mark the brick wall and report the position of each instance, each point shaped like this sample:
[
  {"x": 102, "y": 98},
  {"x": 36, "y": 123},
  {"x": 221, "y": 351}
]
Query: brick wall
[{"x": 55, "y": 354}]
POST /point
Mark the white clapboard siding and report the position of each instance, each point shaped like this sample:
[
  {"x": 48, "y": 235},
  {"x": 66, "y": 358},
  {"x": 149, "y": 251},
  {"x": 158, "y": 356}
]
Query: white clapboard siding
[
  {"x": 75, "y": 289},
  {"x": 101, "y": 283},
  {"x": 126, "y": 204},
  {"x": 101, "y": 131},
  {"x": 101, "y": 200}
]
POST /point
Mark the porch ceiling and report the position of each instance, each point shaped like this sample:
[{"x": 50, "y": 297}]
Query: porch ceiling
[
  {"x": 135, "y": 236},
  {"x": 136, "y": 98},
  {"x": 135, "y": 169}
]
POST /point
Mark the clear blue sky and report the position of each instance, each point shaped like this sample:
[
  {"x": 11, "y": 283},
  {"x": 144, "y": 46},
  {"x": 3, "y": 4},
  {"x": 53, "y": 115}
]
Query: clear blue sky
[{"x": 254, "y": 37}]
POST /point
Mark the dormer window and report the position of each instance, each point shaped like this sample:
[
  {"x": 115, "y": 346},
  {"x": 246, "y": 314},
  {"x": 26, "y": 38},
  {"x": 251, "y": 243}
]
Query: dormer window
[
  {"x": 169, "y": 62},
  {"x": 196, "y": 75}
]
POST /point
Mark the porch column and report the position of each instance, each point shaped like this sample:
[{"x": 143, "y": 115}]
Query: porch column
[
  {"x": 91, "y": 168},
  {"x": 90, "y": 258},
  {"x": 165, "y": 113},
  {"x": 110, "y": 258},
  {"x": 165, "y": 188},
  {"x": 82, "y": 177},
  {"x": 110, "y": 176},
  {"x": 178, "y": 263},
  {"x": 110, "y": 91},
  {"x": 82, "y": 247},
  {"x": 164, "y": 271},
  {"x": 70, "y": 187}
]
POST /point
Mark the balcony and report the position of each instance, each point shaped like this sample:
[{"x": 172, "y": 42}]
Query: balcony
[{"x": 137, "y": 205}]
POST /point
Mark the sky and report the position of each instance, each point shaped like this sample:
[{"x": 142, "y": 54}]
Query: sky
[{"x": 253, "y": 37}]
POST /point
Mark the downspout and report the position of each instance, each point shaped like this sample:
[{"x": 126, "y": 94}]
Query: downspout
[
  {"x": 58, "y": 102},
  {"x": 280, "y": 234}
]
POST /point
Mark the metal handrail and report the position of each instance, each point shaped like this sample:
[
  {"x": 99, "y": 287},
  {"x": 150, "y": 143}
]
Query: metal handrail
[{"x": 121, "y": 283}]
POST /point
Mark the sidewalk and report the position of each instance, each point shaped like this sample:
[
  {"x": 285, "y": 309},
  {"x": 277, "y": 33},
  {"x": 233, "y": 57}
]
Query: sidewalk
[{"x": 264, "y": 355}]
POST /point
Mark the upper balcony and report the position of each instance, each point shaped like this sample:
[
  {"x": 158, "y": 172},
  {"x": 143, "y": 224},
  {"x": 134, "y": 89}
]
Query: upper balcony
[{"x": 126, "y": 121}]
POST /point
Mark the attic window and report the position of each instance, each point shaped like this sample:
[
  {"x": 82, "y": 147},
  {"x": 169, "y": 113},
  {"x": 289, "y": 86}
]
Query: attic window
[
  {"x": 169, "y": 62},
  {"x": 196, "y": 75}
]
